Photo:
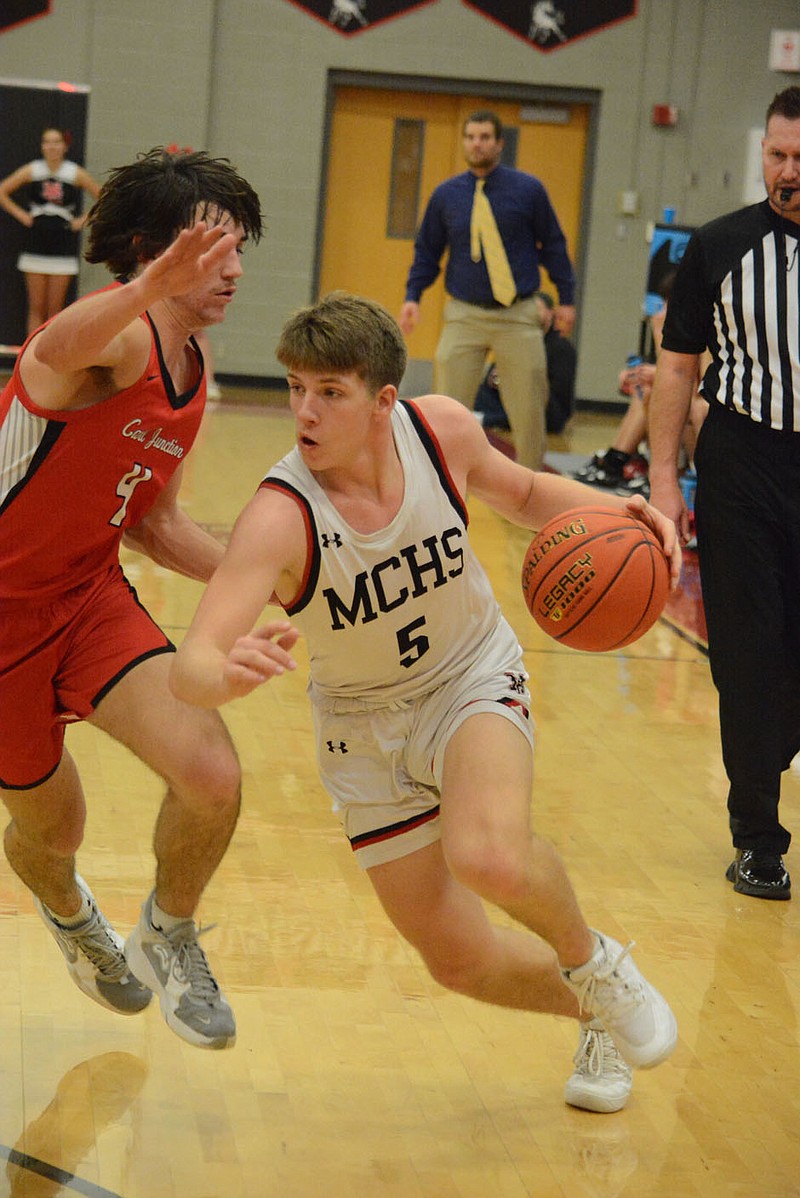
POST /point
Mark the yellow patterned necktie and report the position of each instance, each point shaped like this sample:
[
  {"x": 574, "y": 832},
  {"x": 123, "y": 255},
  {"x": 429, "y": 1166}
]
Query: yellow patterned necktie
[{"x": 484, "y": 235}]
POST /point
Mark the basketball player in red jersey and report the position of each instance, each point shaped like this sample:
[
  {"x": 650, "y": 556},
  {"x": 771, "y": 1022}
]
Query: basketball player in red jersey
[{"x": 102, "y": 408}]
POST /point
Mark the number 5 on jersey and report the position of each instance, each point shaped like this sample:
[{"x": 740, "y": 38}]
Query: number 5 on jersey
[
  {"x": 125, "y": 488},
  {"x": 412, "y": 648}
]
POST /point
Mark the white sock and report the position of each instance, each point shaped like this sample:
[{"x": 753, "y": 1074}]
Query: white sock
[
  {"x": 72, "y": 921},
  {"x": 163, "y": 922},
  {"x": 597, "y": 957}
]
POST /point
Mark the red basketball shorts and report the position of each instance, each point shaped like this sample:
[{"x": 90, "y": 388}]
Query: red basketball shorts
[{"x": 58, "y": 659}]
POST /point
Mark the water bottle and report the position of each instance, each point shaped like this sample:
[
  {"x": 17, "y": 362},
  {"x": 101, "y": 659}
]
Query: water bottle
[{"x": 631, "y": 362}]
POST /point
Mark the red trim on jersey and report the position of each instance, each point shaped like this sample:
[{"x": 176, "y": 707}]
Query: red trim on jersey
[
  {"x": 516, "y": 703},
  {"x": 439, "y": 453},
  {"x": 282, "y": 488}
]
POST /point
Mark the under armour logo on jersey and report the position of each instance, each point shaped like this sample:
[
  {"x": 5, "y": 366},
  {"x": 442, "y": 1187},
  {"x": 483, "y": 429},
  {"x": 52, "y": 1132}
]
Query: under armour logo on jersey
[
  {"x": 516, "y": 683},
  {"x": 339, "y": 746},
  {"x": 331, "y": 540}
]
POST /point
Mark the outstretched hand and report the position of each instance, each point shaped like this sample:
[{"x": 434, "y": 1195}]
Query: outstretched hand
[
  {"x": 259, "y": 656},
  {"x": 665, "y": 530},
  {"x": 194, "y": 254}
]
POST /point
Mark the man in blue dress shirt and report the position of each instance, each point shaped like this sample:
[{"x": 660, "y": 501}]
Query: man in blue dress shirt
[{"x": 479, "y": 315}]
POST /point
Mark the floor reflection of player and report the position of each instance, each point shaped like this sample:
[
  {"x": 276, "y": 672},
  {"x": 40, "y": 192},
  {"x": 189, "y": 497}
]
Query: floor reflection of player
[
  {"x": 746, "y": 1006},
  {"x": 90, "y": 1097},
  {"x": 606, "y": 1157}
]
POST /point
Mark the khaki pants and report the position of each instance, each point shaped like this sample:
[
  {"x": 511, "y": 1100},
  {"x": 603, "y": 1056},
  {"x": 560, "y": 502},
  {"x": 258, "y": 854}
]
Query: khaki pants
[{"x": 514, "y": 335}]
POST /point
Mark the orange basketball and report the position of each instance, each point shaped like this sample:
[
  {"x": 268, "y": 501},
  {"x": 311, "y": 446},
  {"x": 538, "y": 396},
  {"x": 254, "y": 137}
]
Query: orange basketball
[{"x": 595, "y": 579}]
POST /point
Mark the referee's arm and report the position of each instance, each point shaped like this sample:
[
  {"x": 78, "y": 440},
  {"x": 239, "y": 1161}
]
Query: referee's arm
[{"x": 674, "y": 386}]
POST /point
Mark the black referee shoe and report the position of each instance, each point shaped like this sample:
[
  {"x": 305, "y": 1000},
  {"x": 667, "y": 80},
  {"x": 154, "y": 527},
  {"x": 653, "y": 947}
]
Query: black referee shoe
[{"x": 759, "y": 873}]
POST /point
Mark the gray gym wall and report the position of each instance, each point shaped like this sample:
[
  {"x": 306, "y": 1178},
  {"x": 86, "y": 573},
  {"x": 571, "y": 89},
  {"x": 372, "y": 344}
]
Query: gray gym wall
[{"x": 247, "y": 79}]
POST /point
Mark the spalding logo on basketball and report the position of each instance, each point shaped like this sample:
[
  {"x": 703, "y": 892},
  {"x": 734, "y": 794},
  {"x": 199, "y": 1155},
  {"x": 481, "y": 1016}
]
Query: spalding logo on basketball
[{"x": 595, "y": 579}]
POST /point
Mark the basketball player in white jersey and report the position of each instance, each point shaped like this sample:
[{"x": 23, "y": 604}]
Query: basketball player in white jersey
[{"x": 418, "y": 689}]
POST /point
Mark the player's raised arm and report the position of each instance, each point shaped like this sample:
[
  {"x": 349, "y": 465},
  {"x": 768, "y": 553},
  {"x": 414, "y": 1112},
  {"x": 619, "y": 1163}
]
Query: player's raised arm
[{"x": 100, "y": 331}]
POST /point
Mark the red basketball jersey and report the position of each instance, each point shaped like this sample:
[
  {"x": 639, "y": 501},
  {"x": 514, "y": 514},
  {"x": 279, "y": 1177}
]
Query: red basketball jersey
[{"x": 71, "y": 482}]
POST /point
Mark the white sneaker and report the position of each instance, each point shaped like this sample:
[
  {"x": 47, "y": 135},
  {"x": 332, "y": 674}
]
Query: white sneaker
[
  {"x": 610, "y": 988},
  {"x": 602, "y": 1081},
  {"x": 95, "y": 959},
  {"x": 174, "y": 966}
]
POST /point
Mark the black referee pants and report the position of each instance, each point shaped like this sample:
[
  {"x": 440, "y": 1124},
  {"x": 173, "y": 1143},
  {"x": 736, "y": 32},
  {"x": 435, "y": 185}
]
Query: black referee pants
[{"x": 748, "y": 534}]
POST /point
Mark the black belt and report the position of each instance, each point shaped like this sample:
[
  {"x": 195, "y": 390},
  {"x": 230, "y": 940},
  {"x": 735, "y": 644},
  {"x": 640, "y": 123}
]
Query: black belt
[{"x": 496, "y": 303}]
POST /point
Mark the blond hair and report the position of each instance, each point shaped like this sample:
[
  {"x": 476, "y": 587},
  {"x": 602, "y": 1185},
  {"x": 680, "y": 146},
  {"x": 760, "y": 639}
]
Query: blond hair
[{"x": 346, "y": 333}]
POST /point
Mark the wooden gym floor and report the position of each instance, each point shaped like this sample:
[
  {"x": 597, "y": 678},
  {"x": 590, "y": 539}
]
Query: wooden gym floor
[{"x": 354, "y": 1075}]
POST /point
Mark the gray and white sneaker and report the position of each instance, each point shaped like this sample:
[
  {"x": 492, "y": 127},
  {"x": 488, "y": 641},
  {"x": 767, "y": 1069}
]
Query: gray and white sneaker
[
  {"x": 175, "y": 967},
  {"x": 611, "y": 988},
  {"x": 602, "y": 1081},
  {"x": 95, "y": 959}
]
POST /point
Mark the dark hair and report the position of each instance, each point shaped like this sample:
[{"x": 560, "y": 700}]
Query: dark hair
[
  {"x": 347, "y": 333},
  {"x": 143, "y": 206},
  {"x": 65, "y": 136},
  {"x": 481, "y": 117},
  {"x": 786, "y": 104}
]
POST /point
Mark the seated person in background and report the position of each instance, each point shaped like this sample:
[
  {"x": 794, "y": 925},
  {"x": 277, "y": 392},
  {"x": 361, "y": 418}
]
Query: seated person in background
[
  {"x": 623, "y": 467},
  {"x": 561, "y": 368}
]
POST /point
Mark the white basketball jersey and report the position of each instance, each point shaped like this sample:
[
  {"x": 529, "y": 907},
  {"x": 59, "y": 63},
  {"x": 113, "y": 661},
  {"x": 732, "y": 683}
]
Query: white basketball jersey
[{"x": 392, "y": 614}]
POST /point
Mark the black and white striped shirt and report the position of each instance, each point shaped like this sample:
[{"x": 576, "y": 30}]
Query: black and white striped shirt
[{"x": 737, "y": 293}]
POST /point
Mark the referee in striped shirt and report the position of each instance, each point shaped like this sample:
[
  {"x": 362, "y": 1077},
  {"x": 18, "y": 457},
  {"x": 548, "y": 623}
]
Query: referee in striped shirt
[{"x": 737, "y": 293}]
